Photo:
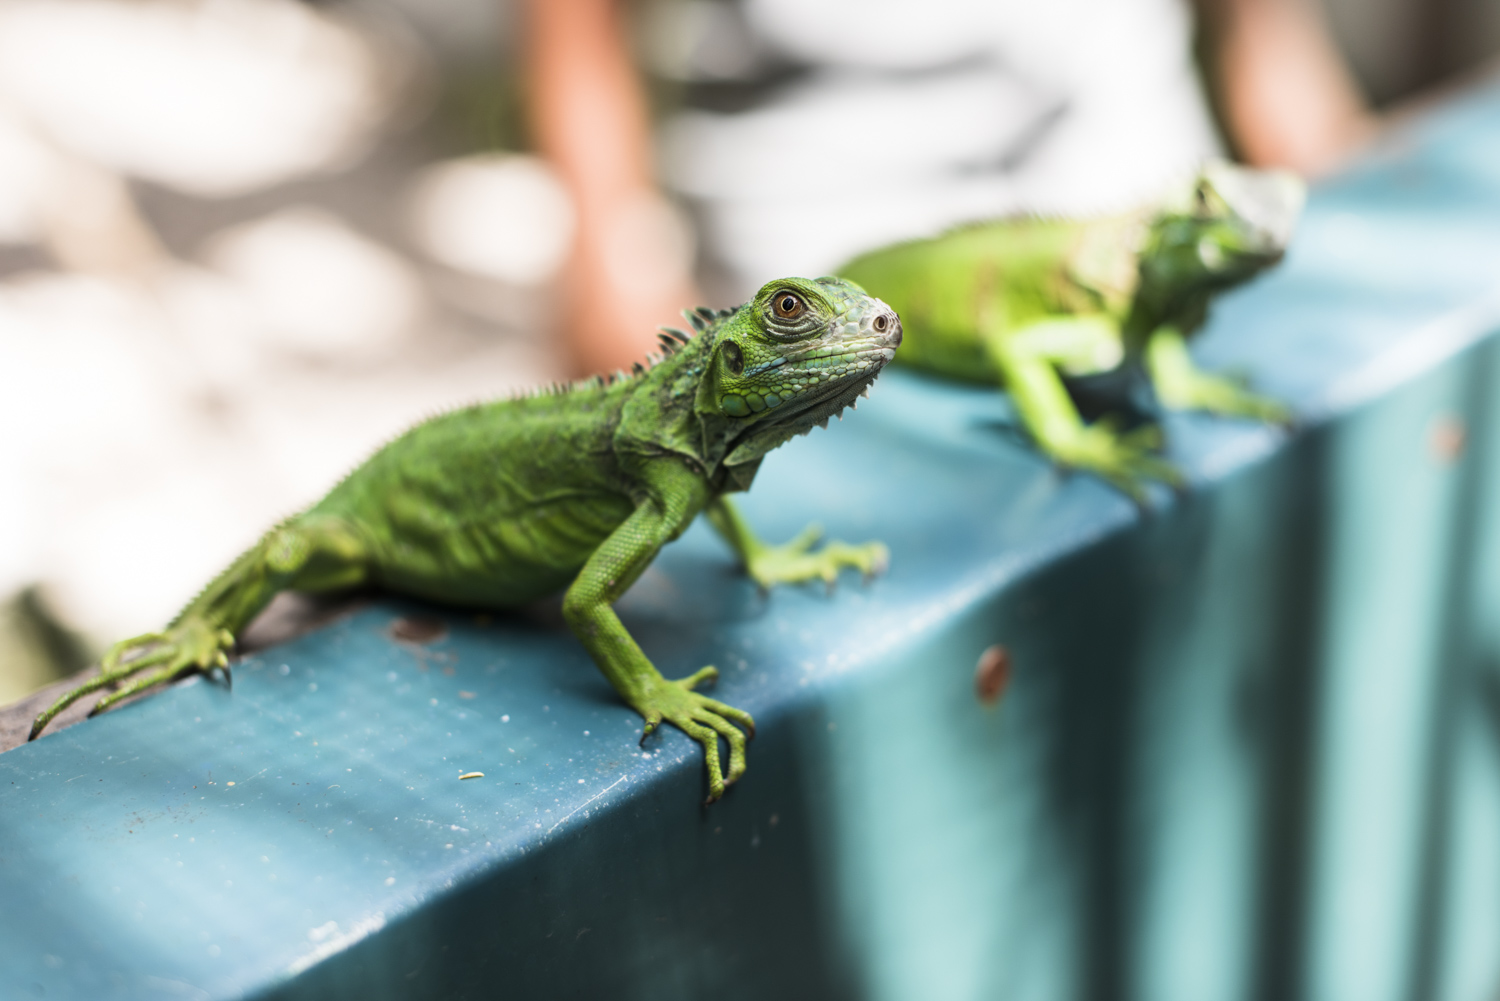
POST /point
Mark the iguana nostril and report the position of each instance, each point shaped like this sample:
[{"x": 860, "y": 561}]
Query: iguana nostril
[{"x": 881, "y": 323}]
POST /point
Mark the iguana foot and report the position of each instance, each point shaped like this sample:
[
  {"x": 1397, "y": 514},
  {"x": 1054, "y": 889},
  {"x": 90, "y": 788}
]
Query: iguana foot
[
  {"x": 794, "y": 562},
  {"x": 1224, "y": 397},
  {"x": 1181, "y": 385},
  {"x": 186, "y": 647},
  {"x": 1124, "y": 460},
  {"x": 703, "y": 719}
]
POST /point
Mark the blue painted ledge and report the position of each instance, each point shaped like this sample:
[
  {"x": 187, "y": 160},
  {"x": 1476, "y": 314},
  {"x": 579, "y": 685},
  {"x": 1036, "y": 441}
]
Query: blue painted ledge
[{"x": 1249, "y": 751}]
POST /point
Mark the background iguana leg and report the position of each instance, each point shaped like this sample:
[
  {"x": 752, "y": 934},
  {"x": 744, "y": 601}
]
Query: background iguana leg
[
  {"x": 1181, "y": 385},
  {"x": 1030, "y": 376},
  {"x": 792, "y": 562},
  {"x": 607, "y": 575},
  {"x": 309, "y": 552},
  {"x": 1079, "y": 344}
]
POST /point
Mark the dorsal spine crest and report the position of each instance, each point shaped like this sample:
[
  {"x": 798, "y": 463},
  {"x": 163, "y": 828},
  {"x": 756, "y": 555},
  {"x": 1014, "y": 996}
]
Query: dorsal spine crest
[{"x": 670, "y": 339}]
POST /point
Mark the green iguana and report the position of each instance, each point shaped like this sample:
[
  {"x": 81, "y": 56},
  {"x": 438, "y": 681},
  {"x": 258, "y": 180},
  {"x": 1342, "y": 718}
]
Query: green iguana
[
  {"x": 501, "y": 503},
  {"x": 1021, "y": 300}
]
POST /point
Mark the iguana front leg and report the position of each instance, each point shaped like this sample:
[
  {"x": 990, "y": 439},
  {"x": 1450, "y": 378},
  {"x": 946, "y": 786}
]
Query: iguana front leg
[
  {"x": 792, "y": 562},
  {"x": 309, "y": 552},
  {"x": 608, "y": 574},
  {"x": 1027, "y": 360},
  {"x": 1181, "y": 385}
]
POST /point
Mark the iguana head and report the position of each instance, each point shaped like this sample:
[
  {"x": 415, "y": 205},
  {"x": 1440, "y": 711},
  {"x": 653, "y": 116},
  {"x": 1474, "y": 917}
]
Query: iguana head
[
  {"x": 792, "y": 357},
  {"x": 1232, "y": 223}
]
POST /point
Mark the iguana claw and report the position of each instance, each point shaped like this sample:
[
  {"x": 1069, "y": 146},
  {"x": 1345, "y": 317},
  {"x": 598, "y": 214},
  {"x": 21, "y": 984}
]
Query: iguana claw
[
  {"x": 186, "y": 647},
  {"x": 702, "y": 718}
]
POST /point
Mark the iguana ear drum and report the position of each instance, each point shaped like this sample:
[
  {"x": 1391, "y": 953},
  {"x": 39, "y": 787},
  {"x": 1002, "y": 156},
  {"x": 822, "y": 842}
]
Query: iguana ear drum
[{"x": 733, "y": 357}]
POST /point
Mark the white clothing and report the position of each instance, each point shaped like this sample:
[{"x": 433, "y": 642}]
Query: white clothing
[{"x": 908, "y": 118}]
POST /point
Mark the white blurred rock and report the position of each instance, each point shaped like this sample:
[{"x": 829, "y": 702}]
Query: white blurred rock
[
  {"x": 214, "y": 99},
  {"x": 110, "y": 463},
  {"x": 317, "y": 287},
  {"x": 500, "y": 216},
  {"x": 144, "y": 443},
  {"x": 24, "y": 167}
]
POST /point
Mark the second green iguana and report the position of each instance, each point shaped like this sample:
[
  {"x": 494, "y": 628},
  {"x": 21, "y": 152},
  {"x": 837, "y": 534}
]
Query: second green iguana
[
  {"x": 502, "y": 503},
  {"x": 1025, "y": 301}
]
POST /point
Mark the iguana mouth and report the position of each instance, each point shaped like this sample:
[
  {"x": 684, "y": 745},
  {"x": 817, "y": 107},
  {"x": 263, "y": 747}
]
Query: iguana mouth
[{"x": 829, "y": 360}]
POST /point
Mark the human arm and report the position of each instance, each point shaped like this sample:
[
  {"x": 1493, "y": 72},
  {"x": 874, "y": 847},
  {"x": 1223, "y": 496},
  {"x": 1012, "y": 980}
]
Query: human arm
[
  {"x": 628, "y": 272},
  {"x": 1283, "y": 92}
]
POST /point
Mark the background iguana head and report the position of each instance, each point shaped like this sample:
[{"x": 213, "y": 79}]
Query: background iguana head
[
  {"x": 792, "y": 357},
  {"x": 1232, "y": 223}
]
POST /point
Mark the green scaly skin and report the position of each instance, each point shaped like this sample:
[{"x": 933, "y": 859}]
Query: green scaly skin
[
  {"x": 1019, "y": 301},
  {"x": 502, "y": 503}
]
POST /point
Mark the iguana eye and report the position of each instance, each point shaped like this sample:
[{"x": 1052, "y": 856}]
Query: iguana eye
[{"x": 787, "y": 306}]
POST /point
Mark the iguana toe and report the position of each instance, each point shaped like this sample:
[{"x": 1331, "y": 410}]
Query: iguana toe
[
  {"x": 792, "y": 563},
  {"x": 703, "y": 719},
  {"x": 164, "y": 656}
]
